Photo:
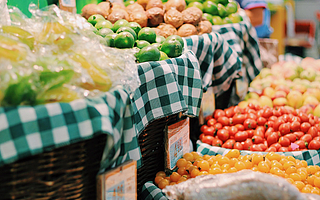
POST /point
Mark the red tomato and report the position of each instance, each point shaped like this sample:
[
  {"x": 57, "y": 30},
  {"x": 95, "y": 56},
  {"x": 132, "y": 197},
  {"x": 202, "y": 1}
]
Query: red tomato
[
  {"x": 251, "y": 105},
  {"x": 237, "y": 110},
  {"x": 257, "y": 139},
  {"x": 250, "y": 133},
  {"x": 296, "y": 119},
  {"x": 299, "y": 134},
  {"x": 207, "y": 139},
  {"x": 272, "y": 118},
  {"x": 227, "y": 145},
  {"x": 276, "y": 145},
  {"x": 263, "y": 147},
  {"x": 302, "y": 144},
  {"x": 211, "y": 122},
  {"x": 292, "y": 137},
  {"x": 283, "y": 149},
  {"x": 294, "y": 126},
  {"x": 241, "y": 136},
  {"x": 277, "y": 124},
  {"x": 240, "y": 127},
  {"x": 317, "y": 126},
  {"x": 229, "y": 112},
  {"x": 216, "y": 142},
  {"x": 201, "y": 136},
  {"x": 203, "y": 127},
  {"x": 249, "y": 124},
  {"x": 285, "y": 117},
  {"x": 283, "y": 110},
  {"x": 305, "y": 127},
  {"x": 259, "y": 133},
  {"x": 272, "y": 138},
  {"x": 255, "y": 147},
  {"x": 285, "y": 142},
  {"x": 226, "y": 128},
  {"x": 269, "y": 124},
  {"x": 207, "y": 118},
  {"x": 233, "y": 130},
  {"x": 209, "y": 131},
  {"x": 223, "y": 120},
  {"x": 261, "y": 128},
  {"x": 218, "y": 113},
  {"x": 231, "y": 141},
  {"x": 259, "y": 113},
  {"x": 317, "y": 138},
  {"x": 313, "y": 131},
  {"x": 268, "y": 112},
  {"x": 316, "y": 119},
  {"x": 276, "y": 113},
  {"x": 314, "y": 144},
  {"x": 247, "y": 144},
  {"x": 261, "y": 121},
  {"x": 238, "y": 146},
  {"x": 217, "y": 126},
  {"x": 223, "y": 135},
  {"x": 306, "y": 138},
  {"x": 268, "y": 132},
  {"x": 284, "y": 129},
  {"x": 303, "y": 117},
  {"x": 238, "y": 119},
  {"x": 252, "y": 116},
  {"x": 312, "y": 122},
  {"x": 271, "y": 149}
]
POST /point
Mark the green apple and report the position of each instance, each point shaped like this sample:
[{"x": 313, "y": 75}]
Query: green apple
[
  {"x": 93, "y": 19},
  {"x": 103, "y": 24}
]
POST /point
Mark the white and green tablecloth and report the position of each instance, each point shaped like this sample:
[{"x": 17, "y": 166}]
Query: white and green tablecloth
[{"x": 30, "y": 130}]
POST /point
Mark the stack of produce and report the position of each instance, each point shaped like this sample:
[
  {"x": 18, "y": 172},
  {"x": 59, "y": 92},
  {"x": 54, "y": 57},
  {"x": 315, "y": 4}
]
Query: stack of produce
[
  {"x": 288, "y": 84},
  {"x": 305, "y": 177},
  {"x": 55, "y": 56},
  {"x": 258, "y": 128}
]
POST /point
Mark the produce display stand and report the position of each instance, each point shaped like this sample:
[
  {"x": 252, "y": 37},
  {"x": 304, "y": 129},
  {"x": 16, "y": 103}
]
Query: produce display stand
[{"x": 56, "y": 150}]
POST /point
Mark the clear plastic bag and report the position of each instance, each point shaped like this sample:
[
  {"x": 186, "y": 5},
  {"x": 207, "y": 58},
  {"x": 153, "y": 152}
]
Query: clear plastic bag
[
  {"x": 5, "y": 18},
  {"x": 242, "y": 185},
  {"x": 66, "y": 59}
]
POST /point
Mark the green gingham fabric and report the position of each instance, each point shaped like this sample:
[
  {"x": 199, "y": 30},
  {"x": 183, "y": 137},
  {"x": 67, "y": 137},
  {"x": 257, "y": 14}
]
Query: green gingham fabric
[
  {"x": 167, "y": 87},
  {"x": 242, "y": 37},
  {"x": 30, "y": 130},
  {"x": 219, "y": 63},
  {"x": 151, "y": 192},
  {"x": 311, "y": 156}
]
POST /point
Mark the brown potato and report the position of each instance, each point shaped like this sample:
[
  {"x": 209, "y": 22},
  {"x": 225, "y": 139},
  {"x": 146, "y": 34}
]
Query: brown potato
[
  {"x": 154, "y": 4},
  {"x": 117, "y": 5},
  {"x": 173, "y": 17},
  {"x": 117, "y": 14},
  {"x": 105, "y": 7},
  {"x": 91, "y": 9},
  {"x": 155, "y": 16},
  {"x": 187, "y": 30},
  {"x": 143, "y": 3},
  {"x": 158, "y": 31},
  {"x": 180, "y": 5},
  {"x": 167, "y": 29},
  {"x": 191, "y": 15},
  {"x": 204, "y": 27},
  {"x": 134, "y": 8},
  {"x": 139, "y": 17}
]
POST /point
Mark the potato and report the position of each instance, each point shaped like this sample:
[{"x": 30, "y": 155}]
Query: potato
[
  {"x": 139, "y": 17},
  {"x": 105, "y": 7},
  {"x": 117, "y": 14},
  {"x": 117, "y": 5},
  {"x": 191, "y": 15},
  {"x": 134, "y": 8},
  {"x": 91, "y": 9},
  {"x": 173, "y": 17},
  {"x": 158, "y": 31},
  {"x": 154, "y": 4},
  {"x": 204, "y": 27},
  {"x": 143, "y": 3},
  {"x": 155, "y": 16},
  {"x": 180, "y": 5},
  {"x": 187, "y": 30},
  {"x": 167, "y": 29}
]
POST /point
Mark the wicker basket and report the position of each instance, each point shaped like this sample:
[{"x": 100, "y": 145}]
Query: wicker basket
[
  {"x": 67, "y": 172},
  {"x": 151, "y": 142}
]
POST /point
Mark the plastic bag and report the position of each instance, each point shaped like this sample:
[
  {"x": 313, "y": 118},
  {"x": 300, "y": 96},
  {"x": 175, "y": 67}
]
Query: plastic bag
[
  {"x": 242, "y": 185},
  {"x": 5, "y": 18},
  {"x": 61, "y": 56},
  {"x": 268, "y": 51}
]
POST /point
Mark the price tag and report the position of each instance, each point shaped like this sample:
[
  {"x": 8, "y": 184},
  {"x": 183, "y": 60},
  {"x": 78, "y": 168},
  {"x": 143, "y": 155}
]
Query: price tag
[
  {"x": 119, "y": 183},
  {"x": 177, "y": 142}
]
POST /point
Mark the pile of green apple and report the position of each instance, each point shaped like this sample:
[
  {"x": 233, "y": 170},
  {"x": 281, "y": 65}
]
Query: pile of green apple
[
  {"x": 288, "y": 84},
  {"x": 218, "y": 12}
]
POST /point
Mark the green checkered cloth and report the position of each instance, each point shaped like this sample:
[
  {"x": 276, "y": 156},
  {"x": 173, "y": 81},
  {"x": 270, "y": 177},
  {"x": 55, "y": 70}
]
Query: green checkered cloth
[
  {"x": 311, "y": 156},
  {"x": 30, "y": 130},
  {"x": 242, "y": 37},
  {"x": 151, "y": 192},
  {"x": 167, "y": 87},
  {"x": 219, "y": 63}
]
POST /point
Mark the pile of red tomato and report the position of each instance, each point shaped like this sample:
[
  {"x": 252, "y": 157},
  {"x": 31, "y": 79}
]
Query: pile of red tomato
[{"x": 258, "y": 128}]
